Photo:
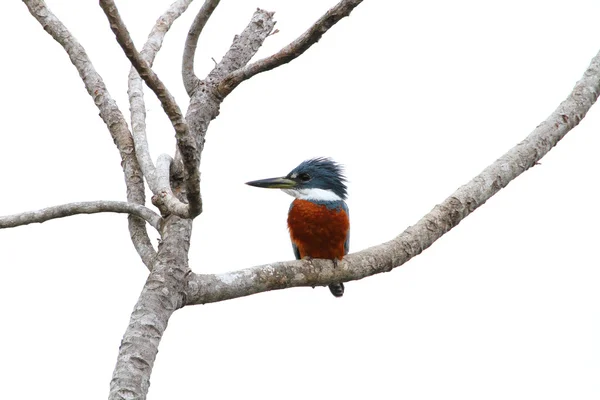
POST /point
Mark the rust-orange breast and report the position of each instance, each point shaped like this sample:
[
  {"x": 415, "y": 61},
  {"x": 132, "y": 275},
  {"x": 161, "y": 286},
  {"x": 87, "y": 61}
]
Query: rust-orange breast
[{"x": 317, "y": 230}]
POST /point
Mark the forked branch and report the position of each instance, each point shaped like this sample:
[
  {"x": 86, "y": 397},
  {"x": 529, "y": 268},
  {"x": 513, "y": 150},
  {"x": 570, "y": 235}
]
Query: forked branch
[
  {"x": 85, "y": 207},
  {"x": 185, "y": 141},
  {"x": 292, "y": 50},
  {"x": 138, "y": 107},
  {"x": 190, "y": 80}
]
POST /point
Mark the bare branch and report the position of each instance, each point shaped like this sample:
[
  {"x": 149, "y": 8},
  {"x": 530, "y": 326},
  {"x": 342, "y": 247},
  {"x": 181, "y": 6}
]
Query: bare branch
[
  {"x": 162, "y": 294},
  {"x": 109, "y": 112},
  {"x": 190, "y": 80},
  {"x": 205, "y": 102},
  {"x": 185, "y": 141},
  {"x": 141, "y": 241},
  {"x": 244, "y": 46},
  {"x": 445, "y": 216},
  {"x": 85, "y": 207},
  {"x": 136, "y": 93},
  {"x": 292, "y": 50},
  {"x": 161, "y": 27},
  {"x": 124, "y": 39}
]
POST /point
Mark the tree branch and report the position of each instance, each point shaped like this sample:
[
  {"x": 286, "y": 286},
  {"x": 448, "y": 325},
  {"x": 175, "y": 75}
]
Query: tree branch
[
  {"x": 205, "y": 102},
  {"x": 244, "y": 46},
  {"x": 141, "y": 240},
  {"x": 445, "y": 216},
  {"x": 162, "y": 294},
  {"x": 185, "y": 141},
  {"x": 85, "y": 207},
  {"x": 137, "y": 104},
  {"x": 190, "y": 80},
  {"x": 292, "y": 50},
  {"x": 110, "y": 114}
]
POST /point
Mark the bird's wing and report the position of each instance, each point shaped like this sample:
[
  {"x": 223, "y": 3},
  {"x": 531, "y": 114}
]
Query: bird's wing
[
  {"x": 294, "y": 247},
  {"x": 347, "y": 242},
  {"x": 296, "y": 251}
]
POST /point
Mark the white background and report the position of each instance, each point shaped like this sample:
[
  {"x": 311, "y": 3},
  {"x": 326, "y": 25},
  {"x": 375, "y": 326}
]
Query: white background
[{"x": 415, "y": 98}]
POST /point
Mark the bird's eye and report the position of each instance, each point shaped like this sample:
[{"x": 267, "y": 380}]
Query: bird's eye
[{"x": 304, "y": 177}]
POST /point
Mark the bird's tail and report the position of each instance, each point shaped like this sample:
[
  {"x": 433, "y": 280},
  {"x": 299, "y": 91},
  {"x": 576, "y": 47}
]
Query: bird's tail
[{"x": 337, "y": 289}]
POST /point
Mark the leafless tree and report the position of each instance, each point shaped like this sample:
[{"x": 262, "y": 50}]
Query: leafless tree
[{"x": 174, "y": 180}]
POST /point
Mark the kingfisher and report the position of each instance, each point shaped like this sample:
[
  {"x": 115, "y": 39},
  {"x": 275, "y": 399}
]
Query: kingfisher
[{"x": 318, "y": 218}]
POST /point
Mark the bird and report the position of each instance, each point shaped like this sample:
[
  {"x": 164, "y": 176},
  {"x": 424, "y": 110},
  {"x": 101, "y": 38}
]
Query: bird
[{"x": 318, "y": 217}]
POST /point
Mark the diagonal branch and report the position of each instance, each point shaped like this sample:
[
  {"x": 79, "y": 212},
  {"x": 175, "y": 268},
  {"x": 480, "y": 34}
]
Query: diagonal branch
[
  {"x": 205, "y": 103},
  {"x": 292, "y": 50},
  {"x": 136, "y": 98},
  {"x": 85, "y": 207},
  {"x": 244, "y": 46},
  {"x": 185, "y": 141},
  {"x": 110, "y": 114},
  {"x": 190, "y": 80},
  {"x": 445, "y": 216}
]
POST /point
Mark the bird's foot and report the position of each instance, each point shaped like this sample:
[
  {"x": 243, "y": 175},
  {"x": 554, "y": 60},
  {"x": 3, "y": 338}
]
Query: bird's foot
[
  {"x": 335, "y": 262},
  {"x": 337, "y": 289}
]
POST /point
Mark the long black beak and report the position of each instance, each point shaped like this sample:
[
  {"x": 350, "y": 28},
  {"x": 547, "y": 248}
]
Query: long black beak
[{"x": 274, "y": 183}]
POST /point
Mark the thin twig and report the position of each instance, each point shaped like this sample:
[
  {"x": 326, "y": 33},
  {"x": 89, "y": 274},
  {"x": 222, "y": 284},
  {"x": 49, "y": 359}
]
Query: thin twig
[
  {"x": 190, "y": 80},
  {"x": 292, "y": 50},
  {"x": 185, "y": 141},
  {"x": 85, "y": 207},
  {"x": 445, "y": 216}
]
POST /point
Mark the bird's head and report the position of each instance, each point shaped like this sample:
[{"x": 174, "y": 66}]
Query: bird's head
[{"x": 319, "y": 179}]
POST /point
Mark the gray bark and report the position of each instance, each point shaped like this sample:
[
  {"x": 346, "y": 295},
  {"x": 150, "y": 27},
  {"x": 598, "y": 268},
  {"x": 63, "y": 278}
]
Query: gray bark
[
  {"x": 292, "y": 50},
  {"x": 159, "y": 185},
  {"x": 136, "y": 93},
  {"x": 87, "y": 207},
  {"x": 190, "y": 80},
  {"x": 163, "y": 293},
  {"x": 185, "y": 142}
]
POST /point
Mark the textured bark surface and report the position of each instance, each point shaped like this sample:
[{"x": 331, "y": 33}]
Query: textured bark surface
[
  {"x": 292, "y": 50},
  {"x": 185, "y": 141},
  {"x": 136, "y": 92},
  {"x": 157, "y": 183},
  {"x": 171, "y": 284},
  {"x": 205, "y": 100},
  {"x": 190, "y": 80},
  {"x": 163, "y": 293}
]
